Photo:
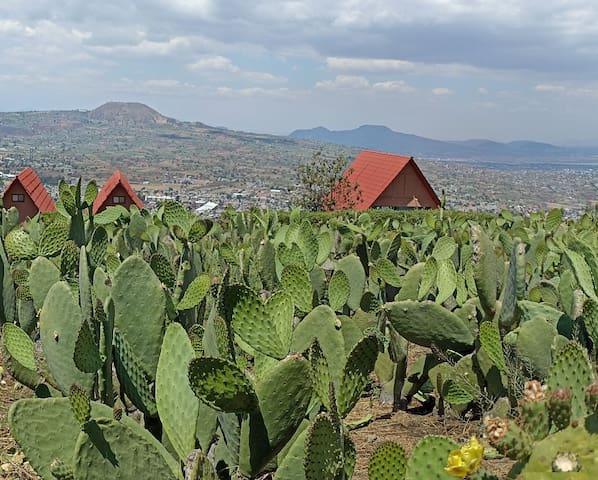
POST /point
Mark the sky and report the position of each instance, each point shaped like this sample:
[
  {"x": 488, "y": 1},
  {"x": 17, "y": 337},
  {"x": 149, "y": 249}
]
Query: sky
[{"x": 446, "y": 69}]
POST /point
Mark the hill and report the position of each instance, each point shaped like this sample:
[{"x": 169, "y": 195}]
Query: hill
[
  {"x": 378, "y": 137},
  {"x": 167, "y": 154},
  {"x": 127, "y": 113}
]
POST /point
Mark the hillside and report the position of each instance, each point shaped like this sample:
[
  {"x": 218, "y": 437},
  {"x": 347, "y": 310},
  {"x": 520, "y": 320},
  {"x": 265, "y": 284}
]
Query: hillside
[
  {"x": 378, "y": 137},
  {"x": 127, "y": 113},
  {"x": 199, "y": 163},
  {"x": 150, "y": 148}
]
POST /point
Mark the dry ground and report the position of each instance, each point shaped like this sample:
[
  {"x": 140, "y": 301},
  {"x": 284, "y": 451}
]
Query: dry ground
[
  {"x": 12, "y": 464},
  {"x": 406, "y": 429}
]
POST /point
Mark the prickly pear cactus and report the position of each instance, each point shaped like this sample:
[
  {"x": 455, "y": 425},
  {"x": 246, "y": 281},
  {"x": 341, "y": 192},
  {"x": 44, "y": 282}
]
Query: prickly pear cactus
[
  {"x": 59, "y": 324},
  {"x": 19, "y": 245},
  {"x": 178, "y": 406},
  {"x": 571, "y": 369},
  {"x": 323, "y": 453},
  {"x": 572, "y": 451},
  {"x": 222, "y": 385},
  {"x": 47, "y": 430},
  {"x": 427, "y": 323},
  {"x": 429, "y": 457},
  {"x": 388, "y": 462},
  {"x": 139, "y": 308},
  {"x": 252, "y": 317},
  {"x": 110, "y": 449}
]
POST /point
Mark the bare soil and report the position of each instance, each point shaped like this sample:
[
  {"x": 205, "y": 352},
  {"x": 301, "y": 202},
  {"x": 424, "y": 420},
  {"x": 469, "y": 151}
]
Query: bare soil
[
  {"x": 406, "y": 429},
  {"x": 13, "y": 465}
]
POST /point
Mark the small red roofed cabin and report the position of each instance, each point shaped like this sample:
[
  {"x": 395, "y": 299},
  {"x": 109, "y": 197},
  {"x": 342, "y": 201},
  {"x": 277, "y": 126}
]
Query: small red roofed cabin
[
  {"x": 116, "y": 191},
  {"x": 384, "y": 180},
  {"x": 28, "y": 195}
]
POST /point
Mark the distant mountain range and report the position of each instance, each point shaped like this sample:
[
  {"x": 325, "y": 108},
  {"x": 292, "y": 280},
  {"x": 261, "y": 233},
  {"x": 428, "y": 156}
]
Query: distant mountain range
[{"x": 378, "y": 137}]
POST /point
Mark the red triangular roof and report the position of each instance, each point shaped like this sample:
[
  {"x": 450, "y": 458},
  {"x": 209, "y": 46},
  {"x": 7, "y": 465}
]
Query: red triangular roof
[
  {"x": 373, "y": 172},
  {"x": 116, "y": 178},
  {"x": 35, "y": 189}
]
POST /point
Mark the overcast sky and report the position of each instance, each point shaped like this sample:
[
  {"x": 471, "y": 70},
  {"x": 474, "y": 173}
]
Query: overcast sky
[{"x": 447, "y": 69}]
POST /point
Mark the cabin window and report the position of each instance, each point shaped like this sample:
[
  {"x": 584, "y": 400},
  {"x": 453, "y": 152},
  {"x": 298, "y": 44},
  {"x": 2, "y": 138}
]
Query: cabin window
[
  {"x": 118, "y": 199},
  {"x": 18, "y": 197}
]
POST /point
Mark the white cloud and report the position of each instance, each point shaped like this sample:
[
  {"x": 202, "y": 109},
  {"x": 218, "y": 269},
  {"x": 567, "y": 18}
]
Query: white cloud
[
  {"x": 344, "y": 82},
  {"x": 159, "y": 86},
  {"x": 212, "y": 63},
  {"x": 482, "y": 91},
  {"x": 252, "y": 92},
  {"x": 355, "y": 82},
  {"x": 441, "y": 91},
  {"x": 545, "y": 87},
  {"x": 217, "y": 64},
  {"x": 263, "y": 77},
  {"x": 393, "y": 86},
  {"x": 368, "y": 64},
  {"x": 195, "y": 8},
  {"x": 145, "y": 47}
]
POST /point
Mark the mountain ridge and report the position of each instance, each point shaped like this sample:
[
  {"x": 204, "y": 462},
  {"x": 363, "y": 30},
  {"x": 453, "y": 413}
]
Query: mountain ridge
[{"x": 381, "y": 137}]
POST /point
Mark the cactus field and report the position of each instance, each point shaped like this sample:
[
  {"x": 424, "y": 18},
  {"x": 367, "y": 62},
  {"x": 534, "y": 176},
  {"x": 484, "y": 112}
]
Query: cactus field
[{"x": 288, "y": 345}]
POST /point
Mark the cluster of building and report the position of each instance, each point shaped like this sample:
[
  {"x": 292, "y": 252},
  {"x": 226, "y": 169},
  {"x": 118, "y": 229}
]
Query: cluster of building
[
  {"x": 29, "y": 196},
  {"x": 381, "y": 180}
]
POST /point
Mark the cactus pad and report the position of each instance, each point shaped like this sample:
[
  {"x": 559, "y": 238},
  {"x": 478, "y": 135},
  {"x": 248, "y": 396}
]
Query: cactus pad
[
  {"x": 19, "y": 346},
  {"x": 323, "y": 454},
  {"x": 59, "y": 323},
  {"x": 195, "y": 293},
  {"x": 43, "y": 275},
  {"x": 388, "y": 272},
  {"x": 133, "y": 376},
  {"x": 86, "y": 355},
  {"x": 284, "y": 394},
  {"x": 52, "y": 238},
  {"x": 19, "y": 245},
  {"x": 110, "y": 449},
  {"x": 429, "y": 457},
  {"x": 222, "y": 385},
  {"x": 265, "y": 327},
  {"x": 139, "y": 308},
  {"x": 162, "y": 268},
  {"x": 356, "y": 373},
  {"x": 338, "y": 290},
  {"x": 319, "y": 373},
  {"x": 80, "y": 404},
  {"x": 388, "y": 462},
  {"x": 571, "y": 369},
  {"x": 427, "y": 323},
  {"x": 492, "y": 344},
  {"x": 353, "y": 268},
  {"x": 178, "y": 407},
  {"x": 297, "y": 283}
]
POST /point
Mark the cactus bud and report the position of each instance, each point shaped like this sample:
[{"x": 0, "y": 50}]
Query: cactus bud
[
  {"x": 533, "y": 417},
  {"x": 559, "y": 407},
  {"x": 508, "y": 438},
  {"x": 591, "y": 397},
  {"x": 533, "y": 391}
]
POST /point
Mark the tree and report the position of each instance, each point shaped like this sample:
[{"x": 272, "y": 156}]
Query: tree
[{"x": 323, "y": 183}]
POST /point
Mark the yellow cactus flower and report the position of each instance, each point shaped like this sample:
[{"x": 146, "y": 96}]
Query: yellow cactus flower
[
  {"x": 456, "y": 466},
  {"x": 466, "y": 460}
]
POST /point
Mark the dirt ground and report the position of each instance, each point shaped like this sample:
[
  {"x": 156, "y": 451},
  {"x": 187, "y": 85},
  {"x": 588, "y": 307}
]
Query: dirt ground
[
  {"x": 405, "y": 428},
  {"x": 13, "y": 466}
]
